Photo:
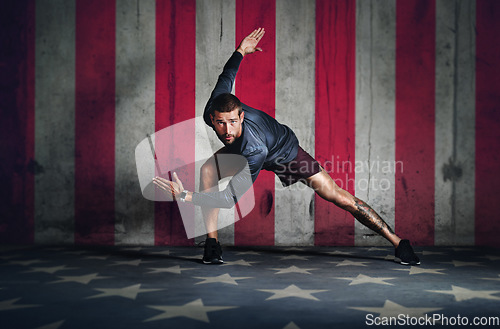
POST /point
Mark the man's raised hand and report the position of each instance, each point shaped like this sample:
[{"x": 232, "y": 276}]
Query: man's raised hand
[{"x": 249, "y": 44}]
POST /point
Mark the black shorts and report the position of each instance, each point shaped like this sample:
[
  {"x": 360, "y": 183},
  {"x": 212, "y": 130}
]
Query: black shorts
[{"x": 297, "y": 170}]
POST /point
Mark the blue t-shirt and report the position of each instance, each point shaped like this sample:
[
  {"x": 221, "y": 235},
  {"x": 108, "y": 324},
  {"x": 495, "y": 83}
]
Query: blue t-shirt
[{"x": 264, "y": 142}]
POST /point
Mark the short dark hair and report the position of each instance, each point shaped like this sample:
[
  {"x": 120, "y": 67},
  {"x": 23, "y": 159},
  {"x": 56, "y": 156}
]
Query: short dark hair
[{"x": 226, "y": 102}]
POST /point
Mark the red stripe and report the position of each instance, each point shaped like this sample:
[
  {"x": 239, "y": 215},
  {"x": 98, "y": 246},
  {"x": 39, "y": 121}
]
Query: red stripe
[
  {"x": 17, "y": 71},
  {"x": 415, "y": 102},
  {"x": 175, "y": 102},
  {"x": 487, "y": 223},
  {"x": 95, "y": 122},
  {"x": 335, "y": 113},
  {"x": 255, "y": 86}
]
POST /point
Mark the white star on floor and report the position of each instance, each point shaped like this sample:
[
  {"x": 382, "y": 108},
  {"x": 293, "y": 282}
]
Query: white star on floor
[
  {"x": 338, "y": 253},
  {"x": 241, "y": 262},
  {"x": 194, "y": 310},
  {"x": 26, "y": 262},
  {"x": 420, "y": 270},
  {"x": 428, "y": 253},
  {"x": 377, "y": 249},
  {"x": 54, "y": 325},
  {"x": 291, "y": 325},
  {"x": 493, "y": 279},
  {"x": 84, "y": 279},
  {"x": 197, "y": 257},
  {"x": 347, "y": 262},
  {"x": 160, "y": 253},
  {"x": 293, "y": 269},
  {"x": 293, "y": 249},
  {"x": 6, "y": 305},
  {"x": 129, "y": 292},
  {"x": 248, "y": 253},
  {"x": 132, "y": 248},
  {"x": 491, "y": 257},
  {"x": 391, "y": 309},
  {"x": 361, "y": 278},
  {"x": 462, "y": 294},
  {"x": 292, "y": 291},
  {"x": 172, "y": 269},
  {"x": 50, "y": 270},
  {"x": 135, "y": 262},
  {"x": 224, "y": 278},
  {"x": 458, "y": 263},
  {"x": 297, "y": 257},
  {"x": 461, "y": 249}
]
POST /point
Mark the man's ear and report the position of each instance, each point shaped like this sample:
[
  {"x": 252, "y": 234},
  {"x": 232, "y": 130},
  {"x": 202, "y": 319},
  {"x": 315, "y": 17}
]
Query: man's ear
[
  {"x": 242, "y": 115},
  {"x": 211, "y": 118}
]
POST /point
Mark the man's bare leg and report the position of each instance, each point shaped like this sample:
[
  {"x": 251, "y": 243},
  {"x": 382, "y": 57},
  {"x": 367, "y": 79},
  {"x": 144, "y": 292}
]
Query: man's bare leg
[
  {"x": 326, "y": 188},
  {"x": 209, "y": 182},
  {"x": 212, "y": 171},
  {"x": 217, "y": 167}
]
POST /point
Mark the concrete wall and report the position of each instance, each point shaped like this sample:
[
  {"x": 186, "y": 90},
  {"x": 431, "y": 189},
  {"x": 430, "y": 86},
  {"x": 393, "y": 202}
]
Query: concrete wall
[{"x": 47, "y": 174}]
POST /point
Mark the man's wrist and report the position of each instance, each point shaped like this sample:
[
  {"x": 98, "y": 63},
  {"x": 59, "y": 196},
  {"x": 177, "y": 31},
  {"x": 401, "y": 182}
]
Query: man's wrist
[
  {"x": 182, "y": 196},
  {"x": 241, "y": 51},
  {"x": 185, "y": 196},
  {"x": 189, "y": 197}
]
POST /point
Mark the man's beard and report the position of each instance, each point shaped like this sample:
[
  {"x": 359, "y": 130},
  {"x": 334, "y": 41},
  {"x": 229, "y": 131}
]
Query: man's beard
[{"x": 223, "y": 139}]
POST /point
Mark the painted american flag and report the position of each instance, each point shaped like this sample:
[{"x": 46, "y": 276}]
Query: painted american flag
[{"x": 398, "y": 99}]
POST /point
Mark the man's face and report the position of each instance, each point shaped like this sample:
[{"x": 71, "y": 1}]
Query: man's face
[{"x": 228, "y": 125}]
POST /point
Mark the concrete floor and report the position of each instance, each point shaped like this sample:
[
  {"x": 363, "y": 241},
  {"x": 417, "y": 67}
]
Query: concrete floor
[{"x": 168, "y": 287}]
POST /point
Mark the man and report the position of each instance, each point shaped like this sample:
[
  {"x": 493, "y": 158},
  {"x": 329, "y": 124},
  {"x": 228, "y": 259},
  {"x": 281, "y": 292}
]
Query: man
[{"x": 265, "y": 144}]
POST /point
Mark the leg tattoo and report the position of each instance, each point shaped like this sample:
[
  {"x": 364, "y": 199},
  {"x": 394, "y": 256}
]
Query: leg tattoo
[{"x": 368, "y": 217}]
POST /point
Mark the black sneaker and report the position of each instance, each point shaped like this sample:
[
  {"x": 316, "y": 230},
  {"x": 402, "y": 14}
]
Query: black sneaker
[
  {"x": 405, "y": 254},
  {"x": 213, "y": 252}
]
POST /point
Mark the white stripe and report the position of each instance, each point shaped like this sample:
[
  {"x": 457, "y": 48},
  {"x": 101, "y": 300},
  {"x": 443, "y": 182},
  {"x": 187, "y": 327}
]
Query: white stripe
[
  {"x": 375, "y": 112},
  {"x": 55, "y": 121},
  {"x": 215, "y": 39},
  {"x": 455, "y": 122},
  {"x": 295, "y": 82},
  {"x": 135, "y": 116}
]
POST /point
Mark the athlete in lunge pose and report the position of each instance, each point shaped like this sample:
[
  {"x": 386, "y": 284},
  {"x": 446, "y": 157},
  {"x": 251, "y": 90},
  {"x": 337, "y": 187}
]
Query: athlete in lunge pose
[{"x": 266, "y": 144}]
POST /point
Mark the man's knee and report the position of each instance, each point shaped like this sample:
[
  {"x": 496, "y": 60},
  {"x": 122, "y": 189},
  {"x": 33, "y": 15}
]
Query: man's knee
[{"x": 209, "y": 174}]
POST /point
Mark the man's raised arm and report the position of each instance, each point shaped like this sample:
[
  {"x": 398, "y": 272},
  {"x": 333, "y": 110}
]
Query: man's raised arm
[{"x": 226, "y": 79}]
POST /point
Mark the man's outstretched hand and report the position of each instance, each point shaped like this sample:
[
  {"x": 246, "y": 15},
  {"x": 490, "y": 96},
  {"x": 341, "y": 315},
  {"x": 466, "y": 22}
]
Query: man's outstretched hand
[
  {"x": 249, "y": 44},
  {"x": 172, "y": 189}
]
